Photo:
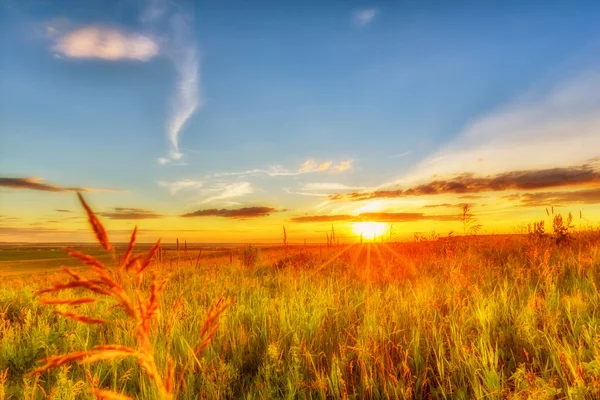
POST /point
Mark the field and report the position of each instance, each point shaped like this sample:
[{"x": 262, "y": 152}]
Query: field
[{"x": 513, "y": 316}]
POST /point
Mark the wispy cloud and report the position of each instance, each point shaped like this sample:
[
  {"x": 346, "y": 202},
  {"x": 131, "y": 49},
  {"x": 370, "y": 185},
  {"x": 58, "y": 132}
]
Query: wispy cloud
[
  {"x": 239, "y": 213},
  {"x": 587, "y": 174},
  {"x": 323, "y": 218},
  {"x": 330, "y": 186},
  {"x": 311, "y": 165},
  {"x": 228, "y": 191},
  {"x": 63, "y": 211},
  {"x": 343, "y": 166},
  {"x": 105, "y": 43},
  {"x": 182, "y": 50},
  {"x": 375, "y": 217},
  {"x": 558, "y": 127},
  {"x": 130, "y": 213},
  {"x": 35, "y": 183},
  {"x": 365, "y": 16},
  {"x": 183, "y": 185}
]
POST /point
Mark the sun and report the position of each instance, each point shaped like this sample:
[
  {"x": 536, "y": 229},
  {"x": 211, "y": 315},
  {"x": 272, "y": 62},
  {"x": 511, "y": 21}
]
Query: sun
[{"x": 369, "y": 230}]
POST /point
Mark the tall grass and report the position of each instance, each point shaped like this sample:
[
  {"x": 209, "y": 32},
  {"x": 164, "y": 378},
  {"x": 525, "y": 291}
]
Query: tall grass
[{"x": 453, "y": 318}]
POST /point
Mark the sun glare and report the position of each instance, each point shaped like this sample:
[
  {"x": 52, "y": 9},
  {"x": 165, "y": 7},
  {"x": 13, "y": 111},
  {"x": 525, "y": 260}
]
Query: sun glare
[{"x": 369, "y": 230}]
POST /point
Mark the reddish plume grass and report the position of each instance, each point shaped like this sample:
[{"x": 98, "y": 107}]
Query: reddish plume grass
[{"x": 143, "y": 311}]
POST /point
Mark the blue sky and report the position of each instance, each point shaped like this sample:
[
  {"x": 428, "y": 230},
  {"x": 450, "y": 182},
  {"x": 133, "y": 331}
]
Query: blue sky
[{"x": 379, "y": 90}]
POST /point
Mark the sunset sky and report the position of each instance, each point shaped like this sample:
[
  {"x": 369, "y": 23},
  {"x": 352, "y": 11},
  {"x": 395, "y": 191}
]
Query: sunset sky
[{"x": 221, "y": 121}]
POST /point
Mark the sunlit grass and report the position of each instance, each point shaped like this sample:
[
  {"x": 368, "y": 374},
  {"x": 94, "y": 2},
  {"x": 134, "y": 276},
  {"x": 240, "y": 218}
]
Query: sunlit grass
[{"x": 462, "y": 317}]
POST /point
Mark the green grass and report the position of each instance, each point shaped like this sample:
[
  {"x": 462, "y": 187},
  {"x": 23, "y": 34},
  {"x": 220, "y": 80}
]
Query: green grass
[{"x": 475, "y": 318}]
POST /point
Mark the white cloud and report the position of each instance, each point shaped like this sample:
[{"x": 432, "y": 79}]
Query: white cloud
[
  {"x": 186, "y": 98},
  {"x": 228, "y": 191},
  {"x": 330, "y": 186},
  {"x": 366, "y": 16},
  {"x": 104, "y": 43},
  {"x": 557, "y": 128},
  {"x": 186, "y": 184}
]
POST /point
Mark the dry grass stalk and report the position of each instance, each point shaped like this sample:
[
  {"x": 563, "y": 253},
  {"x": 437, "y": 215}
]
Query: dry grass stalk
[
  {"x": 87, "y": 259},
  {"x": 79, "y": 318},
  {"x": 211, "y": 323},
  {"x": 72, "y": 302},
  {"x": 127, "y": 255},
  {"x": 96, "y": 225}
]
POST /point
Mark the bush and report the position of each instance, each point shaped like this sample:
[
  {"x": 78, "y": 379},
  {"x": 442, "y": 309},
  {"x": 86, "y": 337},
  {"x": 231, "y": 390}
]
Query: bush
[{"x": 249, "y": 256}]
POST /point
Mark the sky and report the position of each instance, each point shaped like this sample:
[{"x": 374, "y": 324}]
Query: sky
[{"x": 223, "y": 121}]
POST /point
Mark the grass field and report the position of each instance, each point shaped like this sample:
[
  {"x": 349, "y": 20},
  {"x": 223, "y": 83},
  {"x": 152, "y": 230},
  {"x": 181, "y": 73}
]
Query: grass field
[{"x": 512, "y": 316}]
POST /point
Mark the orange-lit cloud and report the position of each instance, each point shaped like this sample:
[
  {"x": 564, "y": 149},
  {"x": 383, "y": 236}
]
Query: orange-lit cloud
[
  {"x": 468, "y": 183},
  {"x": 548, "y": 199},
  {"x": 240, "y": 213},
  {"x": 35, "y": 183},
  {"x": 323, "y": 218},
  {"x": 376, "y": 217},
  {"x": 343, "y": 166},
  {"x": 105, "y": 43},
  {"x": 130, "y": 213},
  {"x": 311, "y": 165}
]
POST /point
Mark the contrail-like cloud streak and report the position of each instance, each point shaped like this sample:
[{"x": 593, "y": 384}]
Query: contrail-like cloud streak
[
  {"x": 186, "y": 98},
  {"x": 182, "y": 50}
]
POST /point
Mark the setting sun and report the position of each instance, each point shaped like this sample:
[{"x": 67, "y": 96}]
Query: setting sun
[{"x": 369, "y": 229}]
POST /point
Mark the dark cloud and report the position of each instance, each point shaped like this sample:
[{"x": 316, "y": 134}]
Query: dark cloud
[
  {"x": 36, "y": 184},
  {"x": 548, "y": 199},
  {"x": 446, "y": 205},
  {"x": 63, "y": 211},
  {"x": 130, "y": 213},
  {"x": 468, "y": 183},
  {"x": 377, "y": 217},
  {"x": 9, "y": 230},
  {"x": 239, "y": 213}
]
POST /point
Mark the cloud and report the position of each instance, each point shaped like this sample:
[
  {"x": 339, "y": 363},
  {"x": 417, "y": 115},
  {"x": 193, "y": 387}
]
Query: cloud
[
  {"x": 35, "y": 183},
  {"x": 130, "y": 213},
  {"x": 549, "y": 199},
  {"x": 182, "y": 50},
  {"x": 63, "y": 211},
  {"x": 240, "y": 213},
  {"x": 587, "y": 174},
  {"x": 406, "y": 217},
  {"x": 366, "y": 16},
  {"x": 343, "y": 166},
  {"x": 323, "y": 218},
  {"x": 376, "y": 217},
  {"x": 444, "y": 205},
  {"x": 311, "y": 165},
  {"x": 229, "y": 191},
  {"x": 186, "y": 184},
  {"x": 329, "y": 186},
  {"x": 105, "y": 43},
  {"x": 542, "y": 129},
  {"x": 9, "y": 230}
]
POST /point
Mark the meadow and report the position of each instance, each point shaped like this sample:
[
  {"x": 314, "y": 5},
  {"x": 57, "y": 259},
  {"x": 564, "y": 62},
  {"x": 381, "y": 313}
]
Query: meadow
[{"x": 495, "y": 317}]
